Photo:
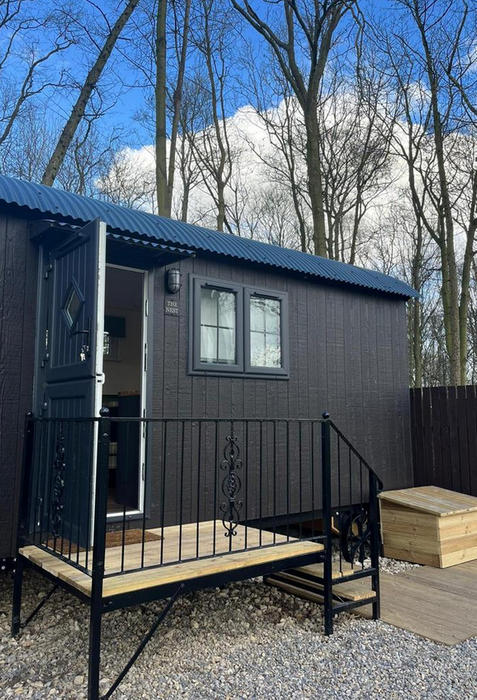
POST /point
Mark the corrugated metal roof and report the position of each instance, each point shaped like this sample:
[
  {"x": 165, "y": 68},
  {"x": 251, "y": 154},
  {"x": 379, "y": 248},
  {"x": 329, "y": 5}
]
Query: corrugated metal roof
[{"x": 74, "y": 208}]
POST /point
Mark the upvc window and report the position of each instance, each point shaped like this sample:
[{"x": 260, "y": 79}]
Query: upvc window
[{"x": 237, "y": 329}]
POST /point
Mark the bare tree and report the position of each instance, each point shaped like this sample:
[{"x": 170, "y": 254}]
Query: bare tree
[
  {"x": 291, "y": 32},
  {"x": 69, "y": 130},
  {"x": 421, "y": 57},
  {"x": 35, "y": 37},
  {"x": 212, "y": 146}
]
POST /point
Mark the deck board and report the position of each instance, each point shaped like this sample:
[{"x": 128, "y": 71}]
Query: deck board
[
  {"x": 437, "y": 604},
  {"x": 223, "y": 562}
]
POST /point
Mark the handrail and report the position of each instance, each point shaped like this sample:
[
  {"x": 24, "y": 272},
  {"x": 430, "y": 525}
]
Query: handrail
[{"x": 356, "y": 453}]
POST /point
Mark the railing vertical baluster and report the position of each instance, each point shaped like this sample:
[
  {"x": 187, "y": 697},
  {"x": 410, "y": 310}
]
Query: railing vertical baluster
[
  {"x": 246, "y": 483},
  {"x": 79, "y": 455},
  {"x": 216, "y": 478},
  {"x": 124, "y": 494},
  {"x": 37, "y": 501},
  {"x": 181, "y": 490},
  {"x": 300, "y": 476},
  {"x": 338, "y": 459},
  {"x": 312, "y": 478},
  {"x": 199, "y": 464},
  {"x": 145, "y": 431},
  {"x": 361, "y": 523},
  {"x": 274, "y": 482},
  {"x": 47, "y": 495},
  {"x": 326, "y": 497},
  {"x": 90, "y": 510},
  {"x": 26, "y": 493},
  {"x": 163, "y": 486},
  {"x": 260, "y": 487},
  {"x": 287, "y": 453}
]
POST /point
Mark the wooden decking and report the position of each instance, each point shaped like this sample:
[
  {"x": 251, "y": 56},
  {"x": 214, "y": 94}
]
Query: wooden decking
[
  {"x": 167, "y": 550},
  {"x": 438, "y": 604}
]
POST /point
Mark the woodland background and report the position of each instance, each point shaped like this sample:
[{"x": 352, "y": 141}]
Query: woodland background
[{"x": 344, "y": 128}]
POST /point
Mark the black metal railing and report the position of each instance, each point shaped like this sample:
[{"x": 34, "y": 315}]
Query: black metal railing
[{"x": 115, "y": 495}]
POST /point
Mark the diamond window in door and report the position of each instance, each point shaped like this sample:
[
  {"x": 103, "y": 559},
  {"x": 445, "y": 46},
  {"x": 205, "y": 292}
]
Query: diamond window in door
[{"x": 72, "y": 305}]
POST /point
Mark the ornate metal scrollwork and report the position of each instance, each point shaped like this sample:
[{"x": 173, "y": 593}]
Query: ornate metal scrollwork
[
  {"x": 59, "y": 465},
  {"x": 231, "y": 485},
  {"x": 355, "y": 535}
]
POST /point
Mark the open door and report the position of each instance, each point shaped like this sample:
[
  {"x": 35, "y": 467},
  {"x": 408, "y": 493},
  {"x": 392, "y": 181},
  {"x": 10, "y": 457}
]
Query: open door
[{"x": 70, "y": 378}]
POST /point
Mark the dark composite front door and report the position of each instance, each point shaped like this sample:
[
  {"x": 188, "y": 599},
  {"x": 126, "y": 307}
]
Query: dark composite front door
[{"x": 70, "y": 377}]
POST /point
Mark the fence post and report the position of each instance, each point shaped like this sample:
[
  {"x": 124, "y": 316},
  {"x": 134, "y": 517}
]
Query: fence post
[
  {"x": 375, "y": 541},
  {"x": 327, "y": 517},
  {"x": 25, "y": 488},
  {"x": 99, "y": 549}
]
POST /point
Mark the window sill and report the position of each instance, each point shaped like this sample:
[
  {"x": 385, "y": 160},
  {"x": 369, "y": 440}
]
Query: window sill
[{"x": 237, "y": 375}]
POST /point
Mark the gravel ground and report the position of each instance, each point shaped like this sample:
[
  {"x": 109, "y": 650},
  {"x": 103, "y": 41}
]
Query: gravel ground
[{"x": 244, "y": 641}]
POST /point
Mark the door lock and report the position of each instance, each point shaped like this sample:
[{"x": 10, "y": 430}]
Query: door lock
[{"x": 84, "y": 353}]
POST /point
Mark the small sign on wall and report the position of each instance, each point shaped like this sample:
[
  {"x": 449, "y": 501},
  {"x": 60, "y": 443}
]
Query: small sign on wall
[{"x": 172, "y": 307}]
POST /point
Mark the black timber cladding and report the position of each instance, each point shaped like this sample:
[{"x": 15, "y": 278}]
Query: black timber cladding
[{"x": 348, "y": 355}]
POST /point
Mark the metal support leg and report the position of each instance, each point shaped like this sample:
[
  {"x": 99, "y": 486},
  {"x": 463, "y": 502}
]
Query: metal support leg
[
  {"x": 327, "y": 522},
  {"x": 328, "y": 594},
  {"x": 377, "y": 602},
  {"x": 143, "y": 643},
  {"x": 17, "y": 595},
  {"x": 94, "y": 650}
]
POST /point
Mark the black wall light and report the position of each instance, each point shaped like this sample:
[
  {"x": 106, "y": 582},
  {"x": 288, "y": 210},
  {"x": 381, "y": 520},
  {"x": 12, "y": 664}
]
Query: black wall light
[{"x": 173, "y": 280}]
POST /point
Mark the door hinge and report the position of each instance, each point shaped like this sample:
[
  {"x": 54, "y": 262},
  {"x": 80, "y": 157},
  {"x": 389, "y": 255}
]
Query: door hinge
[
  {"x": 145, "y": 357},
  {"x": 143, "y": 471},
  {"x": 146, "y": 307},
  {"x": 48, "y": 269}
]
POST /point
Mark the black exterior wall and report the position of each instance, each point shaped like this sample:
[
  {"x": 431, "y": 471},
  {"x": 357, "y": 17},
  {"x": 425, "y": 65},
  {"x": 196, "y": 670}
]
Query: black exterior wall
[
  {"x": 18, "y": 298},
  {"x": 348, "y": 355}
]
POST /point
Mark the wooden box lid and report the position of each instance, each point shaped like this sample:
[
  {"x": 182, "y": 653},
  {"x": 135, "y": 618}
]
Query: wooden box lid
[{"x": 432, "y": 500}]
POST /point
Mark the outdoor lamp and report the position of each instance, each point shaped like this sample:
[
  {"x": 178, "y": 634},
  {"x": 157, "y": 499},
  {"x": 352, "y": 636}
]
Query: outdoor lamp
[{"x": 173, "y": 280}]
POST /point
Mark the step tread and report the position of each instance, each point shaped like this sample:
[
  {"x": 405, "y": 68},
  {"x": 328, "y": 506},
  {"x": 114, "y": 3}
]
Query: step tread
[
  {"x": 318, "y": 570},
  {"x": 349, "y": 590}
]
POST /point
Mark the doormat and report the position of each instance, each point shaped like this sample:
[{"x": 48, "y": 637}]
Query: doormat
[{"x": 113, "y": 539}]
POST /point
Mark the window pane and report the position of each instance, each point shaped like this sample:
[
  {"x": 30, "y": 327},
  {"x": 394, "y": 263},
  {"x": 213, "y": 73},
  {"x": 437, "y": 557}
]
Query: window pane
[
  {"x": 208, "y": 306},
  {"x": 226, "y": 353},
  {"x": 272, "y": 315},
  {"x": 226, "y": 303},
  {"x": 208, "y": 344},
  {"x": 257, "y": 349},
  {"x": 273, "y": 355},
  {"x": 257, "y": 316}
]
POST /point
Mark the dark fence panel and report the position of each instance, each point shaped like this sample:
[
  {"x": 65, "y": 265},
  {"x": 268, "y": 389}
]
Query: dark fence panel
[{"x": 444, "y": 437}]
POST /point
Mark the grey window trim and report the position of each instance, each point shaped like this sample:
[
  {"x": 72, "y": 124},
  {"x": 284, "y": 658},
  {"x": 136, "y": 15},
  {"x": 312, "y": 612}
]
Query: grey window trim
[
  {"x": 194, "y": 335},
  {"x": 282, "y": 297},
  {"x": 243, "y": 367}
]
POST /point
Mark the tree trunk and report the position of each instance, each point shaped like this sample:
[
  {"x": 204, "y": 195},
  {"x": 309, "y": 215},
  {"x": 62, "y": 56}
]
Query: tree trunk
[
  {"x": 177, "y": 110},
  {"x": 464, "y": 301},
  {"x": 91, "y": 81},
  {"x": 160, "y": 105},
  {"x": 315, "y": 188}
]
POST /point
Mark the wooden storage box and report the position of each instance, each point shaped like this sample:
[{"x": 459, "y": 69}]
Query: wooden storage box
[{"x": 429, "y": 525}]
